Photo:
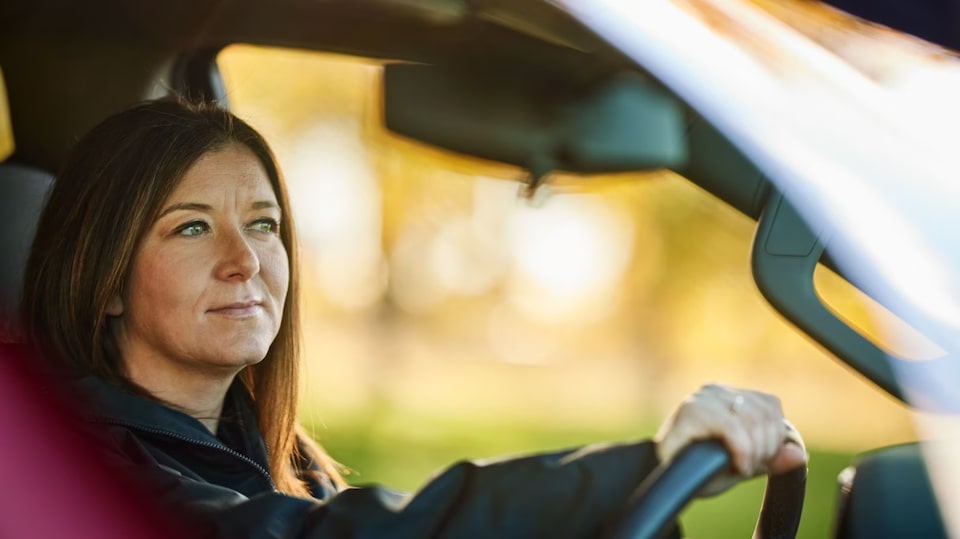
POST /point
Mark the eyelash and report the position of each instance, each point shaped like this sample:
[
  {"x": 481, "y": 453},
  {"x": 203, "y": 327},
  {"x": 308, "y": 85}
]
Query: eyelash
[
  {"x": 274, "y": 224},
  {"x": 273, "y": 227},
  {"x": 180, "y": 230}
]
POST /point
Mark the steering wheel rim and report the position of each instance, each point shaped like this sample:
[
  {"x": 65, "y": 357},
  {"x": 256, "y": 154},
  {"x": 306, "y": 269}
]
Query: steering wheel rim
[{"x": 658, "y": 500}]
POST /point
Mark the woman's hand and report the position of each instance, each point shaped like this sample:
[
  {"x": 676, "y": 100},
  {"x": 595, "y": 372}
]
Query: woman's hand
[{"x": 749, "y": 423}]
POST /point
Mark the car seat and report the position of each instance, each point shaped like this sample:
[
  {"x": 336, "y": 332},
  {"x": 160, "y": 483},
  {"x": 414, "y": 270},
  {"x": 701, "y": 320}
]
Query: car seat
[
  {"x": 888, "y": 494},
  {"x": 23, "y": 191}
]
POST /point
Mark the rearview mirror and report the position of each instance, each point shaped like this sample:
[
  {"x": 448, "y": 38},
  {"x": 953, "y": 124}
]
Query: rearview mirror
[{"x": 525, "y": 118}]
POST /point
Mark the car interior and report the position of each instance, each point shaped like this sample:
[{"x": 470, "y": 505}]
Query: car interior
[{"x": 515, "y": 82}]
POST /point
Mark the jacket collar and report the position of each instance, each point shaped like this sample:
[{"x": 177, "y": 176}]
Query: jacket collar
[{"x": 105, "y": 403}]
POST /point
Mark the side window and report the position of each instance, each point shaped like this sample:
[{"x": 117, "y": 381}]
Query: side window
[
  {"x": 446, "y": 318},
  {"x": 6, "y": 128}
]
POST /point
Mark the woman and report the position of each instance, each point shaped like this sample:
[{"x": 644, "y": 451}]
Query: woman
[{"x": 163, "y": 285}]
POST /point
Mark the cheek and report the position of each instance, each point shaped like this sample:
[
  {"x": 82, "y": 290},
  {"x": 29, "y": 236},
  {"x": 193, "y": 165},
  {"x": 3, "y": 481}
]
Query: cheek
[
  {"x": 276, "y": 269},
  {"x": 163, "y": 282}
]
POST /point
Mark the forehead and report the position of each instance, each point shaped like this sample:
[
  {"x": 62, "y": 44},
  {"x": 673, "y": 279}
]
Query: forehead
[{"x": 230, "y": 172}]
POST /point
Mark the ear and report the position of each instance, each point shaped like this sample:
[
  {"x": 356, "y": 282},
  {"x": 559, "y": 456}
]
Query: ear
[{"x": 115, "y": 306}]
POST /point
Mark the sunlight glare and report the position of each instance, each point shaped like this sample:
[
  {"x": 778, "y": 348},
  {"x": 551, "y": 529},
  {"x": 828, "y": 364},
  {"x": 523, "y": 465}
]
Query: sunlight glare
[
  {"x": 568, "y": 257},
  {"x": 338, "y": 215}
]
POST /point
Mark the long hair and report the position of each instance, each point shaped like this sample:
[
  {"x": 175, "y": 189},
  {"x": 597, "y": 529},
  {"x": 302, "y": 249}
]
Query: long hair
[{"x": 108, "y": 193}]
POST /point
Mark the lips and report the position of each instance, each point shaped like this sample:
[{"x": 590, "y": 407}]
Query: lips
[{"x": 240, "y": 309}]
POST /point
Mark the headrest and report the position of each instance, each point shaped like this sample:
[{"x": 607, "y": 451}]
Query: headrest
[{"x": 23, "y": 191}]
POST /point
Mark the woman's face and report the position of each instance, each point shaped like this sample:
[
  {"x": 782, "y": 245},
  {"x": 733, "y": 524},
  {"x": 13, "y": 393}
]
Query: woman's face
[{"x": 206, "y": 289}]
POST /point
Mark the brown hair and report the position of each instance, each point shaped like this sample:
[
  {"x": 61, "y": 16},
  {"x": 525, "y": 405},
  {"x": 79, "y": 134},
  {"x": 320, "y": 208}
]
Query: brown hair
[{"x": 106, "y": 197}]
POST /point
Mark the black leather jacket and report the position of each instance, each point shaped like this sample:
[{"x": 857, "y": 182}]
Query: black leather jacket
[{"x": 219, "y": 486}]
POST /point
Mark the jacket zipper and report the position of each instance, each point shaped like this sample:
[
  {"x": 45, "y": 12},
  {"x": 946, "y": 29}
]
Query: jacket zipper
[{"x": 219, "y": 447}]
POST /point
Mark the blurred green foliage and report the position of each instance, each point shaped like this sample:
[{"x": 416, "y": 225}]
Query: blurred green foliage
[{"x": 404, "y": 453}]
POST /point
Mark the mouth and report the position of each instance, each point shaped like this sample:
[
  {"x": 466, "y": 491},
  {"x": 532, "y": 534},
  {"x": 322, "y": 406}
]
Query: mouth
[{"x": 240, "y": 309}]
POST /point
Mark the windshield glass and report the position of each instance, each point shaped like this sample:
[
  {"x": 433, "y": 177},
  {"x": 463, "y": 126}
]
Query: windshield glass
[{"x": 850, "y": 120}]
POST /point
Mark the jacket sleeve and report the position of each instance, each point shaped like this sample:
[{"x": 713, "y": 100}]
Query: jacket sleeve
[{"x": 570, "y": 494}]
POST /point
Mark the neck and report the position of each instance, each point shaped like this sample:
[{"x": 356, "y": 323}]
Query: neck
[{"x": 197, "y": 394}]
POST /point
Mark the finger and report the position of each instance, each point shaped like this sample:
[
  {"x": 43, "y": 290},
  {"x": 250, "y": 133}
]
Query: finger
[
  {"x": 733, "y": 436},
  {"x": 789, "y": 457},
  {"x": 772, "y": 426},
  {"x": 752, "y": 419},
  {"x": 763, "y": 419},
  {"x": 686, "y": 424},
  {"x": 739, "y": 442},
  {"x": 669, "y": 444},
  {"x": 733, "y": 416},
  {"x": 701, "y": 418}
]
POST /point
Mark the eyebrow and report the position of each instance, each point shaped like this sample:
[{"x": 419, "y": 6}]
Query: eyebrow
[
  {"x": 264, "y": 205},
  {"x": 196, "y": 206},
  {"x": 187, "y": 206}
]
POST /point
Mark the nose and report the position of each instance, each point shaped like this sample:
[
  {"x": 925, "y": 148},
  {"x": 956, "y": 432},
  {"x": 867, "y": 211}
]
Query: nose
[{"x": 238, "y": 259}]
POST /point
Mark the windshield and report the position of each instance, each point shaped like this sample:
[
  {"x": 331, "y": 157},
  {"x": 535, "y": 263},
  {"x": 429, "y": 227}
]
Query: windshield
[{"x": 851, "y": 121}]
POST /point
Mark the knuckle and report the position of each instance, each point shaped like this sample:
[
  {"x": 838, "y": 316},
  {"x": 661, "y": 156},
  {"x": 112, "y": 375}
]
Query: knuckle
[
  {"x": 774, "y": 401},
  {"x": 771, "y": 403},
  {"x": 711, "y": 388}
]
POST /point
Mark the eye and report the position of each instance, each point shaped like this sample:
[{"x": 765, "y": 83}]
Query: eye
[
  {"x": 266, "y": 225},
  {"x": 193, "y": 228}
]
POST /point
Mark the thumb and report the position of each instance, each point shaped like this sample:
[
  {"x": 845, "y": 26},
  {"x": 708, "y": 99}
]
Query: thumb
[{"x": 790, "y": 456}]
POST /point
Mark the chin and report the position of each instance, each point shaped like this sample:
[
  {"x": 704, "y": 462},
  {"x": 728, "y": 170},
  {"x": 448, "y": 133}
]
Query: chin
[
  {"x": 242, "y": 347},
  {"x": 242, "y": 355}
]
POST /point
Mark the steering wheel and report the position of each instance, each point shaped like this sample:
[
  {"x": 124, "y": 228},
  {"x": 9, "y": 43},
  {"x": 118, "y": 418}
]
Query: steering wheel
[{"x": 658, "y": 500}]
